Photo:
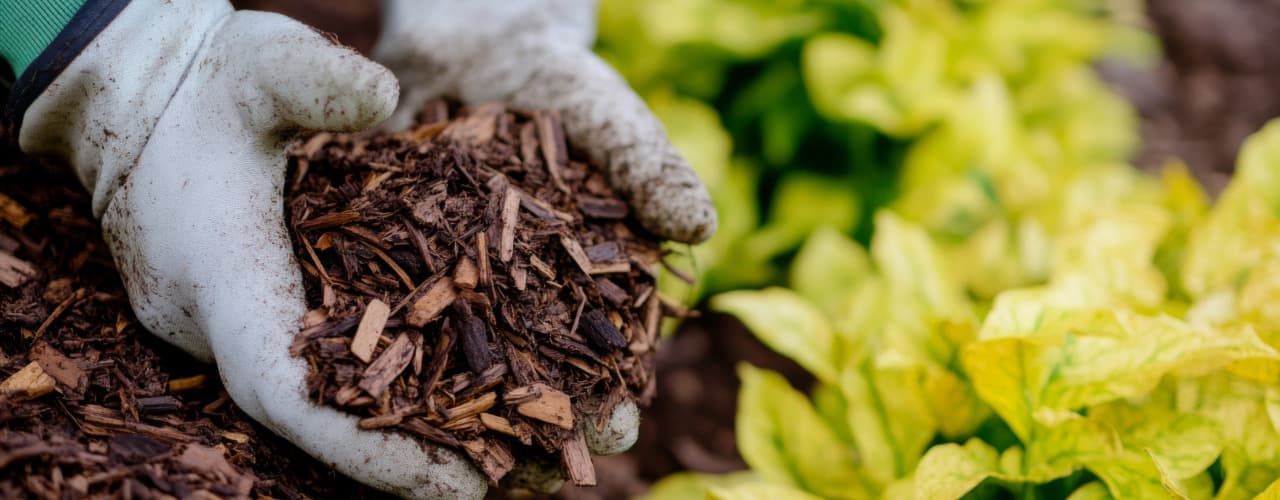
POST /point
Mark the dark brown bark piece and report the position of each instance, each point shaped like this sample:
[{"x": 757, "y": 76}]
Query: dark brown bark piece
[
  {"x": 475, "y": 337},
  {"x": 601, "y": 332},
  {"x": 602, "y": 208}
]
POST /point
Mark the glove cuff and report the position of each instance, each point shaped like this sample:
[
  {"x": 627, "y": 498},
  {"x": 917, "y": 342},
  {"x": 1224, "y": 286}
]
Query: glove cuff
[
  {"x": 97, "y": 111},
  {"x": 80, "y": 22}
]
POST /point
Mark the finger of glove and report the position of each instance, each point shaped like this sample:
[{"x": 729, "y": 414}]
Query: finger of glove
[
  {"x": 618, "y": 434},
  {"x": 602, "y": 115},
  {"x": 295, "y": 77}
]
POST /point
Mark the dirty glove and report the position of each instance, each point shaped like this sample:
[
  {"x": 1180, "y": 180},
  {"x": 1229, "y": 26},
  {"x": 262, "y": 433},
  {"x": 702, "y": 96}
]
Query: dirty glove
[
  {"x": 537, "y": 54},
  {"x": 174, "y": 116}
]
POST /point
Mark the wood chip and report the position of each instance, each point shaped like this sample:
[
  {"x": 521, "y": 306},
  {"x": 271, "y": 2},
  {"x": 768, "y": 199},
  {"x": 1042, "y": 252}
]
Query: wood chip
[
  {"x": 387, "y": 367},
  {"x": 330, "y": 220},
  {"x": 482, "y": 255},
  {"x": 498, "y": 424},
  {"x": 478, "y": 127},
  {"x": 61, "y": 368},
  {"x": 493, "y": 457},
  {"x": 577, "y": 461},
  {"x": 576, "y": 253},
  {"x": 465, "y": 274},
  {"x": 14, "y": 272},
  {"x": 429, "y": 307},
  {"x": 612, "y": 292},
  {"x": 422, "y": 428},
  {"x": 417, "y": 353},
  {"x": 473, "y": 407},
  {"x": 28, "y": 383},
  {"x": 547, "y": 404},
  {"x": 520, "y": 278},
  {"x": 13, "y": 212},
  {"x": 380, "y": 421},
  {"x": 601, "y": 332},
  {"x": 509, "y": 219},
  {"x": 600, "y": 208},
  {"x": 370, "y": 329},
  {"x": 554, "y": 150},
  {"x": 542, "y": 268},
  {"x": 186, "y": 384}
]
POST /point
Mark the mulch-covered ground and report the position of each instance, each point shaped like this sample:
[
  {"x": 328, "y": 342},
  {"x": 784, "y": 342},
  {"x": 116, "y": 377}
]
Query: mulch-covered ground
[{"x": 117, "y": 414}]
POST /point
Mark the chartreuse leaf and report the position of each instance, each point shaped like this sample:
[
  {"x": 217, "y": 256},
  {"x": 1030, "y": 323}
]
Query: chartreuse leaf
[
  {"x": 828, "y": 268},
  {"x": 1161, "y": 450},
  {"x": 913, "y": 267},
  {"x": 786, "y": 323},
  {"x": 1033, "y": 357},
  {"x": 1113, "y": 247},
  {"x": 1251, "y": 452},
  {"x": 1091, "y": 491},
  {"x": 786, "y": 442},
  {"x": 953, "y": 403},
  {"x": 1234, "y": 237},
  {"x": 762, "y": 491},
  {"x": 889, "y": 417},
  {"x": 1271, "y": 493},
  {"x": 951, "y": 470},
  {"x": 696, "y": 486}
]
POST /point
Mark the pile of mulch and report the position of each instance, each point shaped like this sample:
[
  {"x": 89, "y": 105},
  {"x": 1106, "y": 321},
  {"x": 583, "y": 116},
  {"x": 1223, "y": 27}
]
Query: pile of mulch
[
  {"x": 473, "y": 286},
  {"x": 90, "y": 404}
]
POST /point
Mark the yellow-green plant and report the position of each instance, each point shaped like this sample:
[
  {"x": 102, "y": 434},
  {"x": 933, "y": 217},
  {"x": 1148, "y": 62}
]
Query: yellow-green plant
[
  {"x": 1144, "y": 365},
  {"x": 804, "y": 113}
]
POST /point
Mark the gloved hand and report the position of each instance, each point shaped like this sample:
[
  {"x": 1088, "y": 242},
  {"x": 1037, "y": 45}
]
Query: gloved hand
[
  {"x": 537, "y": 54},
  {"x": 175, "y": 118}
]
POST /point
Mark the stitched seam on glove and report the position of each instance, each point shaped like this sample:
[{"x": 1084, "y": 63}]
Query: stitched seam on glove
[{"x": 88, "y": 22}]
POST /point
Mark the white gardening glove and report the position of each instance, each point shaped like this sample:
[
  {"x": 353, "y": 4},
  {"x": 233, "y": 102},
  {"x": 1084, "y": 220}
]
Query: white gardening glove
[
  {"x": 537, "y": 54},
  {"x": 175, "y": 118}
]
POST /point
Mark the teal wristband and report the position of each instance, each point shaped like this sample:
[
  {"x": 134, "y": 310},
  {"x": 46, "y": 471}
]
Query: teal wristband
[{"x": 28, "y": 26}]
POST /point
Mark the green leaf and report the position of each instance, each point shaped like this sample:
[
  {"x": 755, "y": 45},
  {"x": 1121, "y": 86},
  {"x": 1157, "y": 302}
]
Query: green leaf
[
  {"x": 829, "y": 267},
  {"x": 1251, "y": 453},
  {"x": 1271, "y": 493},
  {"x": 1160, "y": 449},
  {"x": 1036, "y": 357},
  {"x": 763, "y": 491},
  {"x": 786, "y": 323},
  {"x": 950, "y": 470},
  {"x": 889, "y": 417},
  {"x": 913, "y": 267},
  {"x": 1091, "y": 491},
  {"x": 696, "y": 485},
  {"x": 785, "y": 441}
]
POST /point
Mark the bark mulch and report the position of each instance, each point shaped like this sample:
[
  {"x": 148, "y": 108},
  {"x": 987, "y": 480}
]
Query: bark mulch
[{"x": 473, "y": 286}]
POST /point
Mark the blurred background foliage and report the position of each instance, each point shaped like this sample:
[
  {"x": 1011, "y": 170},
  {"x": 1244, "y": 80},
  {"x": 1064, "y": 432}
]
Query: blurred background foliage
[{"x": 800, "y": 114}]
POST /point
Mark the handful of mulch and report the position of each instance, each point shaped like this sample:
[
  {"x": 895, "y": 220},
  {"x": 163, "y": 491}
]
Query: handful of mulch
[{"x": 473, "y": 285}]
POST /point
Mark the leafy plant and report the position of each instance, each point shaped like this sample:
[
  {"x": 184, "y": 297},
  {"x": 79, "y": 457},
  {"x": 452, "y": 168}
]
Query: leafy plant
[
  {"x": 1113, "y": 379},
  {"x": 805, "y": 113}
]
